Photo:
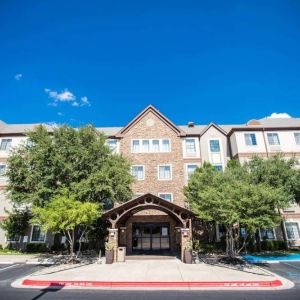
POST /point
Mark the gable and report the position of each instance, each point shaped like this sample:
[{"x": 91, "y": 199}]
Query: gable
[{"x": 149, "y": 118}]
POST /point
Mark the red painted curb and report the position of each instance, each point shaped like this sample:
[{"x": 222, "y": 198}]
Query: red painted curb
[{"x": 229, "y": 284}]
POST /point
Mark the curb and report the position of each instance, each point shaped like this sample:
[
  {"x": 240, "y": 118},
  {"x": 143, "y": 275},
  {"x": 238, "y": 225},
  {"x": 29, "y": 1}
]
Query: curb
[{"x": 152, "y": 284}]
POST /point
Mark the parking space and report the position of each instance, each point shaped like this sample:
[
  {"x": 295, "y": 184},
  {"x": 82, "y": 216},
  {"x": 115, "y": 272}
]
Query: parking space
[{"x": 289, "y": 270}]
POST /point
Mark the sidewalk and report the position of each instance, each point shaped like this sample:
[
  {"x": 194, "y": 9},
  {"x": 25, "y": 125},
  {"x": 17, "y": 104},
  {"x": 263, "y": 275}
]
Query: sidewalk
[{"x": 154, "y": 274}]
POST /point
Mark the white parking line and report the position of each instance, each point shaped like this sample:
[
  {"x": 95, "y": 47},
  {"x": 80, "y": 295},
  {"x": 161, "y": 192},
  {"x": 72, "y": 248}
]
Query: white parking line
[
  {"x": 12, "y": 266},
  {"x": 295, "y": 267}
]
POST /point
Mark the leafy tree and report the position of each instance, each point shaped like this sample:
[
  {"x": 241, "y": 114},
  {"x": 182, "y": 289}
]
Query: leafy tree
[
  {"x": 278, "y": 173},
  {"x": 230, "y": 199},
  {"x": 64, "y": 214},
  {"x": 75, "y": 159},
  {"x": 16, "y": 223}
]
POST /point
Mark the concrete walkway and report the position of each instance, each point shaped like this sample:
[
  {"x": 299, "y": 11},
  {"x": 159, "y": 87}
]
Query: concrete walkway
[
  {"x": 154, "y": 273},
  {"x": 22, "y": 258}
]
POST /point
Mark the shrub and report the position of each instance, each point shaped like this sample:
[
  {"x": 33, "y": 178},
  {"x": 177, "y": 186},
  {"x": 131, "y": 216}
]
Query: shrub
[
  {"x": 217, "y": 247},
  {"x": 37, "y": 248},
  {"x": 58, "y": 247},
  {"x": 269, "y": 245},
  {"x": 1, "y": 247}
]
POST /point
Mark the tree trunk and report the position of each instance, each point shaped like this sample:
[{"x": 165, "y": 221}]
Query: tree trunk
[{"x": 230, "y": 248}]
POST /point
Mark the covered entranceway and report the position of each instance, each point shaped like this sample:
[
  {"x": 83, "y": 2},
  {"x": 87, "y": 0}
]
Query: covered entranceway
[
  {"x": 150, "y": 238},
  {"x": 150, "y": 233}
]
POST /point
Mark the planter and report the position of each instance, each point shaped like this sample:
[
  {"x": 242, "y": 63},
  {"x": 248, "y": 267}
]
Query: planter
[
  {"x": 109, "y": 255},
  {"x": 188, "y": 256}
]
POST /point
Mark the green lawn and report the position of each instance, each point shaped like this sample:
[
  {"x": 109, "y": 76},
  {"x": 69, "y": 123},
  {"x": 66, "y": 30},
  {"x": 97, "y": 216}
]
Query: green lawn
[{"x": 11, "y": 252}]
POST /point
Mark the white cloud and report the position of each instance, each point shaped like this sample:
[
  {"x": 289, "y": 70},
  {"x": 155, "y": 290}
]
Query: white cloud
[
  {"x": 60, "y": 114},
  {"x": 67, "y": 97},
  {"x": 63, "y": 96},
  {"x": 18, "y": 76},
  {"x": 85, "y": 101},
  {"x": 278, "y": 115}
]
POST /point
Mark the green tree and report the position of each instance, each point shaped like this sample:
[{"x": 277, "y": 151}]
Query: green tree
[
  {"x": 16, "y": 223},
  {"x": 230, "y": 199},
  {"x": 64, "y": 214},
  {"x": 280, "y": 174},
  {"x": 67, "y": 158}
]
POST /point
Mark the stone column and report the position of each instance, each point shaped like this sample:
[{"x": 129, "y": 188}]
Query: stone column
[
  {"x": 185, "y": 237},
  {"x": 113, "y": 236}
]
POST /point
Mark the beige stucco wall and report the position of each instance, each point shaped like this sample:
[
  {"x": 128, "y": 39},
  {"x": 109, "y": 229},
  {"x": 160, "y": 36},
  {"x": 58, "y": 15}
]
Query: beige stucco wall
[{"x": 214, "y": 133}]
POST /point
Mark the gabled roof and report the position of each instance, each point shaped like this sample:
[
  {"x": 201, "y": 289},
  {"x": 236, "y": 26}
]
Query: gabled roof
[
  {"x": 158, "y": 114},
  {"x": 212, "y": 124}
]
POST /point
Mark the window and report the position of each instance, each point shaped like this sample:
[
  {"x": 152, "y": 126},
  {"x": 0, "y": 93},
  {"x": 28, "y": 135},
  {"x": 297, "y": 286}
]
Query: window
[
  {"x": 292, "y": 230},
  {"x": 164, "y": 172},
  {"x": 166, "y": 196},
  {"x": 155, "y": 145},
  {"x": 214, "y": 145},
  {"x": 190, "y": 146},
  {"x": 190, "y": 169},
  {"x": 273, "y": 138},
  {"x": 13, "y": 238},
  {"x": 267, "y": 234},
  {"x": 150, "y": 145},
  {"x": 218, "y": 168},
  {"x": 145, "y": 146},
  {"x": 166, "y": 146},
  {"x": 37, "y": 234},
  {"x": 112, "y": 144},
  {"x": 138, "y": 172},
  {"x": 2, "y": 170},
  {"x": 297, "y": 138},
  {"x": 250, "y": 139},
  {"x": 135, "y": 146},
  {"x": 5, "y": 144}
]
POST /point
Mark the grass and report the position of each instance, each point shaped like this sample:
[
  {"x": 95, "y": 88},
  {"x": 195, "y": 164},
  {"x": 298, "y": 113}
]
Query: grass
[{"x": 15, "y": 252}]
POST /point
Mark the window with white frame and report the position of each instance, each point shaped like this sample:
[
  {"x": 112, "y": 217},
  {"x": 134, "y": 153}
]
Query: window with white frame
[
  {"x": 164, "y": 172},
  {"x": 214, "y": 145},
  {"x": 145, "y": 146},
  {"x": 2, "y": 170},
  {"x": 166, "y": 147},
  {"x": 297, "y": 138},
  {"x": 135, "y": 146},
  {"x": 166, "y": 196},
  {"x": 250, "y": 139},
  {"x": 267, "y": 234},
  {"x": 138, "y": 172},
  {"x": 37, "y": 234},
  {"x": 292, "y": 230},
  {"x": 155, "y": 145},
  {"x": 190, "y": 146},
  {"x": 273, "y": 138},
  {"x": 5, "y": 144},
  {"x": 190, "y": 169},
  {"x": 150, "y": 145},
  {"x": 112, "y": 144}
]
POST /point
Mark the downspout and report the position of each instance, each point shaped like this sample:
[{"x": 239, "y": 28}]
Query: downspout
[{"x": 265, "y": 142}]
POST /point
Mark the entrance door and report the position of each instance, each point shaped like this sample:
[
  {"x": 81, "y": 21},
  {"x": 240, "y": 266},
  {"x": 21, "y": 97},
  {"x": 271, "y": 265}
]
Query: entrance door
[{"x": 150, "y": 237}]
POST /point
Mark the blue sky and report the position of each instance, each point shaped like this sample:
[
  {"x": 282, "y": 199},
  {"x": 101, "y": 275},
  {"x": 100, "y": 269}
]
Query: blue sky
[{"x": 102, "y": 62}]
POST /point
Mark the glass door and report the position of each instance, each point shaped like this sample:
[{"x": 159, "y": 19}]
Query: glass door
[{"x": 150, "y": 237}]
